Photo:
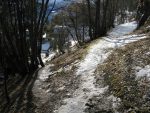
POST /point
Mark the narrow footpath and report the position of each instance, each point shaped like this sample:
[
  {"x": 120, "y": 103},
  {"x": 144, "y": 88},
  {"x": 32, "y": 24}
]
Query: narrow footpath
[{"x": 96, "y": 55}]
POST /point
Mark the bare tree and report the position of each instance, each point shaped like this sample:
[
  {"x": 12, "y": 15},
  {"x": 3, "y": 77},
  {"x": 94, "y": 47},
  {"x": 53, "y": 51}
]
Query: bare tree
[
  {"x": 144, "y": 9},
  {"x": 21, "y": 29},
  {"x": 22, "y": 24}
]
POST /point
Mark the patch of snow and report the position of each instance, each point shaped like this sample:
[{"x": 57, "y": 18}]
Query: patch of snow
[
  {"x": 44, "y": 36},
  {"x": 73, "y": 43},
  {"x": 115, "y": 102},
  {"x": 61, "y": 88},
  {"x": 77, "y": 103},
  {"x": 44, "y": 72},
  {"x": 49, "y": 58},
  {"x": 123, "y": 29},
  {"x": 148, "y": 53},
  {"x": 148, "y": 27},
  {"x": 122, "y": 41},
  {"x": 142, "y": 72},
  {"x": 97, "y": 54},
  {"x": 38, "y": 88}
]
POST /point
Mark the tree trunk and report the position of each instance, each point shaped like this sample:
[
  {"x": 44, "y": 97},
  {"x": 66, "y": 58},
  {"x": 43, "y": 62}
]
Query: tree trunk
[{"x": 90, "y": 19}]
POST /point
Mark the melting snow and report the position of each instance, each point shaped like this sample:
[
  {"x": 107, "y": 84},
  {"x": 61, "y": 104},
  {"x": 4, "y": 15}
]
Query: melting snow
[
  {"x": 148, "y": 53},
  {"x": 96, "y": 55},
  {"x": 148, "y": 27},
  {"x": 44, "y": 73},
  {"x": 123, "y": 29},
  {"x": 49, "y": 58},
  {"x": 115, "y": 101},
  {"x": 142, "y": 72}
]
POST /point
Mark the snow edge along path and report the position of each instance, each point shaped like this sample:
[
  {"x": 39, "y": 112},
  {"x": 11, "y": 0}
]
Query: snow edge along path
[{"x": 96, "y": 55}]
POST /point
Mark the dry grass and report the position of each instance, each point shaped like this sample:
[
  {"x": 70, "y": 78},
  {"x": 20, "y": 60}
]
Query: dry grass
[
  {"x": 119, "y": 74},
  {"x": 73, "y": 56}
]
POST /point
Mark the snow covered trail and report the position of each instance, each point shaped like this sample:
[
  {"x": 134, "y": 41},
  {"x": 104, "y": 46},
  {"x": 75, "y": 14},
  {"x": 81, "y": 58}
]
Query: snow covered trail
[{"x": 96, "y": 55}]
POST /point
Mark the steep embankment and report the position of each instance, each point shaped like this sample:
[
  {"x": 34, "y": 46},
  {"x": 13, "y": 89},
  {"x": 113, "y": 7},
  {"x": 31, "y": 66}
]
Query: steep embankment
[
  {"x": 68, "y": 84},
  {"x": 126, "y": 72}
]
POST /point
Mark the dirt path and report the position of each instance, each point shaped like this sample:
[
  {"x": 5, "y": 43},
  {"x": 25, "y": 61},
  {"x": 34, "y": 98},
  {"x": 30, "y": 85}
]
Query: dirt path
[
  {"x": 96, "y": 55},
  {"x": 68, "y": 88}
]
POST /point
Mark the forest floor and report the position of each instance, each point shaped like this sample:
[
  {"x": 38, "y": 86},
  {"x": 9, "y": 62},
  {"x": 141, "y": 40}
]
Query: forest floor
[{"x": 88, "y": 80}]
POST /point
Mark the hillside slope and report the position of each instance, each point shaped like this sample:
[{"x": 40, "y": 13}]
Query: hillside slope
[
  {"x": 126, "y": 73},
  {"x": 87, "y": 80},
  {"x": 97, "y": 54}
]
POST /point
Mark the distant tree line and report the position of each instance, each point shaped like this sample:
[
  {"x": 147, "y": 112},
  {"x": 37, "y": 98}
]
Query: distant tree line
[
  {"x": 106, "y": 13},
  {"x": 22, "y": 24},
  {"x": 89, "y": 19}
]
